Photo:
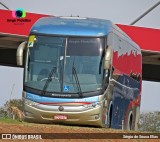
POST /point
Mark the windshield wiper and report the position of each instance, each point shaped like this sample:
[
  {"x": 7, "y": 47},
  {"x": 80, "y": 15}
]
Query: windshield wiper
[
  {"x": 49, "y": 79},
  {"x": 74, "y": 72}
]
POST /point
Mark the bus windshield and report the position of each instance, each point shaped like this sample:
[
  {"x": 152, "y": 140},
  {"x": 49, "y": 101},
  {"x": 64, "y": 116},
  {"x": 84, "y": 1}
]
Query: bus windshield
[{"x": 64, "y": 64}]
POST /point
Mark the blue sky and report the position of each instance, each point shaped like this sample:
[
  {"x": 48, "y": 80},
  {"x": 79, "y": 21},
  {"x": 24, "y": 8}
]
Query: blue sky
[{"x": 118, "y": 11}]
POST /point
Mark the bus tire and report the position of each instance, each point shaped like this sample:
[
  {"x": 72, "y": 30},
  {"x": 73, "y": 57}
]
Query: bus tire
[
  {"x": 108, "y": 120},
  {"x": 103, "y": 116},
  {"x": 137, "y": 118},
  {"x": 132, "y": 118},
  {"x": 130, "y": 121}
]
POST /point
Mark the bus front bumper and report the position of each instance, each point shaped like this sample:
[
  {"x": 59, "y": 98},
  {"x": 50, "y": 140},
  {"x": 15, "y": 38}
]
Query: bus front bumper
[{"x": 70, "y": 115}]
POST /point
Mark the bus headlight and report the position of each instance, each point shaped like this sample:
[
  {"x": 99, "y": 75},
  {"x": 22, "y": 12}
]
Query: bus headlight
[
  {"x": 93, "y": 105},
  {"x": 30, "y": 103}
]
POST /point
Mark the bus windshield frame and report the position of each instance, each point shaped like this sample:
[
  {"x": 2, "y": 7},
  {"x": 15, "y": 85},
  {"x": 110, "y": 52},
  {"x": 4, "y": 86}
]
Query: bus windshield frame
[{"x": 64, "y": 65}]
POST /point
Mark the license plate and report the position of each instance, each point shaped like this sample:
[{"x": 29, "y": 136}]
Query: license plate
[{"x": 60, "y": 117}]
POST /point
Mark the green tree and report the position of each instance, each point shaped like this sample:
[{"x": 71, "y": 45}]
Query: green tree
[
  {"x": 150, "y": 122},
  {"x": 3, "y": 113},
  {"x": 14, "y": 102}
]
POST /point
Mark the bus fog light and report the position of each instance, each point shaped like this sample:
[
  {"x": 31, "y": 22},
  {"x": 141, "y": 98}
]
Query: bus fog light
[
  {"x": 97, "y": 116},
  {"x": 27, "y": 113}
]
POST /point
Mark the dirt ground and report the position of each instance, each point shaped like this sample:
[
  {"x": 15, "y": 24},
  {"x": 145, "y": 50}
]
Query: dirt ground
[{"x": 63, "y": 133}]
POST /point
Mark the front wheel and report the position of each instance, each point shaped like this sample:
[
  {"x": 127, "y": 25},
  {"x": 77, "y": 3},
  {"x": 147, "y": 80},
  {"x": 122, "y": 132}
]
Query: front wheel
[
  {"x": 109, "y": 122},
  {"x": 108, "y": 118}
]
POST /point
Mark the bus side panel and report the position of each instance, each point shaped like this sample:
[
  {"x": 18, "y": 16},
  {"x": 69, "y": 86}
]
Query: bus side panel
[
  {"x": 126, "y": 73},
  {"x": 123, "y": 96}
]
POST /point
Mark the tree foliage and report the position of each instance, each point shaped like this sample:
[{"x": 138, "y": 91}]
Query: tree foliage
[
  {"x": 14, "y": 102},
  {"x": 3, "y": 112},
  {"x": 150, "y": 122}
]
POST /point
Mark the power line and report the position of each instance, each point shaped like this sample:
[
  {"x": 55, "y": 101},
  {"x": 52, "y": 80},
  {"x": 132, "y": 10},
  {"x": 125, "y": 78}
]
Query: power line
[
  {"x": 4, "y": 5},
  {"x": 12, "y": 91},
  {"x": 145, "y": 13}
]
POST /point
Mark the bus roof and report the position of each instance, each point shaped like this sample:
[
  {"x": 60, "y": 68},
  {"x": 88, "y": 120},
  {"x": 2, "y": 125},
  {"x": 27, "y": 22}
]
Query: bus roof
[{"x": 75, "y": 26}]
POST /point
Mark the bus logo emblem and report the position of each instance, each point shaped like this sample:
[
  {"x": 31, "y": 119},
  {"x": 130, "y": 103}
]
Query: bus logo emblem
[{"x": 61, "y": 108}]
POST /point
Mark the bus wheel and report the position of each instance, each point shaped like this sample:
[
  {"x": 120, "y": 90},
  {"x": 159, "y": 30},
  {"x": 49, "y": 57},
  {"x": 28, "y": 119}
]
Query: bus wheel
[
  {"x": 108, "y": 120},
  {"x": 130, "y": 121},
  {"x": 133, "y": 119},
  {"x": 110, "y": 116},
  {"x": 137, "y": 118}
]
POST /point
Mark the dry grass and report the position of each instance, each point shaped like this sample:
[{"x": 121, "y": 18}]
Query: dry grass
[{"x": 80, "y": 133}]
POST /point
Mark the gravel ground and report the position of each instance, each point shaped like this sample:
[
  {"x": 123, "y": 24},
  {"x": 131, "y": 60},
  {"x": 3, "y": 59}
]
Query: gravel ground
[{"x": 64, "y": 133}]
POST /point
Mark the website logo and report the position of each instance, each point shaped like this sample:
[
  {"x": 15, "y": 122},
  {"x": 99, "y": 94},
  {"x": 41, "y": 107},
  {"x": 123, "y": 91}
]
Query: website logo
[
  {"x": 19, "y": 13},
  {"x": 19, "y": 17}
]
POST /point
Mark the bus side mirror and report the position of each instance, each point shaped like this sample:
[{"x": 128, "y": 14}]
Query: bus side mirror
[
  {"x": 107, "y": 60},
  {"x": 20, "y": 50}
]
